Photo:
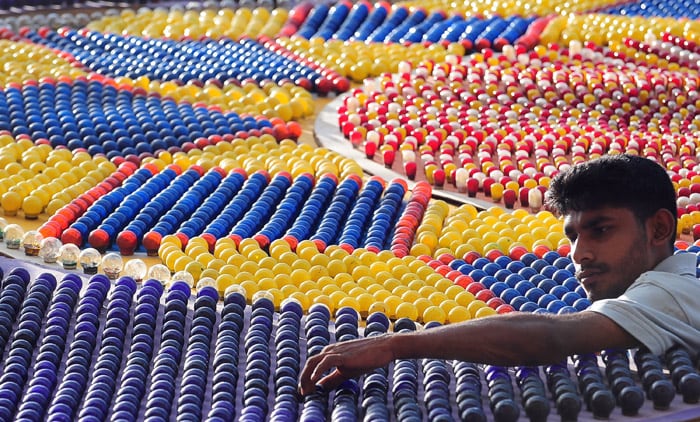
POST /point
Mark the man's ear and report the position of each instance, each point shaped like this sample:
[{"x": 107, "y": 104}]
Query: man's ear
[{"x": 663, "y": 227}]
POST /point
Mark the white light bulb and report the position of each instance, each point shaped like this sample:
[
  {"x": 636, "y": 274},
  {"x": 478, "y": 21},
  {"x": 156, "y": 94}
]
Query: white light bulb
[
  {"x": 183, "y": 276},
  {"x": 159, "y": 272},
  {"x": 461, "y": 176},
  {"x": 136, "y": 269},
  {"x": 90, "y": 259},
  {"x": 69, "y": 256},
  {"x": 112, "y": 265},
  {"x": 206, "y": 282},
  {"x": 31, "y": 242},
  {"x": 50, "y": 249},
  {"x": 3, "y": 224},
  {"x": 235, "y": 289},
  {"x": 262, "y": 294},
  {"x": 13, "y": 236},
  {"x": 534, "y": 197}
]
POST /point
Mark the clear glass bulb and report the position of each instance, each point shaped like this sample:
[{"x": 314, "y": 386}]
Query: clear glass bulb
[
  {"x": 50, "y": 249},
  {"x": 262, "y": 294},
  {"x": 3, "y": 224},
  {"x": 235, "y": 289},
  {"x": 206, "y": 282},
  {"x": 136, "y": 269},
  {"x": 159, "y": 272},
  {"x": 31, "y": 242},
  {"x": 68, "y": 256},
  {"x": 289, "y": 301},
  {"x": 90, "y": 259},
  {"x": 13, "y": 236},
  {"x": 112, "y": 265},
  {"x": 183, "y": 276}
]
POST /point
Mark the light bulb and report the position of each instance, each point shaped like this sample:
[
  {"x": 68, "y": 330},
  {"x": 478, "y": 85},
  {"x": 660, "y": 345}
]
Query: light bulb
[
  {"x": 112, "y": 265},
  {"x": 31, "y": 242},
  {"x": 183, "y": 276},
  {"x": 206, "y": 282},
  {"x": 13, "y": 236},
  {"x": 235, "y": 289},
  {"x": 136, "y": 269},
  {"x": 159, "y": 272},
  {"x": 3, "y": 224},
  {"x": 262, "y": 294},
  {"x": 69, "y": 256},
  {"x": 575, "y": 47},
  {"x": 461, "y": 177},
  {"x": 291, "y": 303},
  {"x": 509, "y": 52},
  {"x": 534, "y": 197},
  {"x": 90, "y": 259},
  {"x": 50, "y": 249}
]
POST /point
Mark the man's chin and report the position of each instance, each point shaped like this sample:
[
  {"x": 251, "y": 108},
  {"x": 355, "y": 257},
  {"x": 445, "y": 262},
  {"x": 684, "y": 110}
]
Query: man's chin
[{"x": 592, "y": 295}]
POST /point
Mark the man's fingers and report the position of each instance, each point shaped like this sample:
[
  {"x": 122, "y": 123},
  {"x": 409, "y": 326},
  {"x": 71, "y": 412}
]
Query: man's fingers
[
  {"x": 332, "y": 380},
  {"x": 328, "y": 361},
  {"x": 335, "y": 356},
  {"x": 314, "y": 369},
  {"x": 309, "y": 367}
]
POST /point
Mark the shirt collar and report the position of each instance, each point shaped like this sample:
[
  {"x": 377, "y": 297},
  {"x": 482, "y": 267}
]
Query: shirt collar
[{"x": 683, "y": 263}]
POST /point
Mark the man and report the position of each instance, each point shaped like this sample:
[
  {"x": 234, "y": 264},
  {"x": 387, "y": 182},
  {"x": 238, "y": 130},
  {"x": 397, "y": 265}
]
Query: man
[{"x": 620, "y": 216}]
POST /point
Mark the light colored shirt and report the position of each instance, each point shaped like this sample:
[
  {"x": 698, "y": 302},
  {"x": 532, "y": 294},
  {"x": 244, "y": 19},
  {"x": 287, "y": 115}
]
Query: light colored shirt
[{"x": 662, "y": 307}]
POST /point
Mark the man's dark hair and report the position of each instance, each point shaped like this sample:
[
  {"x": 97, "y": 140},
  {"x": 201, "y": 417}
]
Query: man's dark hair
[{"x": 627, "y": 181}]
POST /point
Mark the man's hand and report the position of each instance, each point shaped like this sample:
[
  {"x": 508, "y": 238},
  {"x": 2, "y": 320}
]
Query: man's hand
[
  {"x": 348, "y": 359},
  {"x": 506, "y": 340}
]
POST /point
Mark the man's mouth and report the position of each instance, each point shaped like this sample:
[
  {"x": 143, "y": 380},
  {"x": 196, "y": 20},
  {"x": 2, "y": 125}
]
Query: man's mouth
[{"x": 587, "y": 277}]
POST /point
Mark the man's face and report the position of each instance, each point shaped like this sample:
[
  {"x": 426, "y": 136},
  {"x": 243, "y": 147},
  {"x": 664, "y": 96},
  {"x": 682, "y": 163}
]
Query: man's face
[{"x": 610, "y": 249}]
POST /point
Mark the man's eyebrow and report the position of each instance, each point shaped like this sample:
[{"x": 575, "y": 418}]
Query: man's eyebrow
[
  {"x": 589, "y": 223},
  {"x": 597, "y": 220}
]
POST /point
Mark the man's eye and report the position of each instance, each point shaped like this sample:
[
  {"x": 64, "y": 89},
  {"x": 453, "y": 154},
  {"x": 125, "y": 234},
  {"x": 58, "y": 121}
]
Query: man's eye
[{"x": 601, "y": 230}]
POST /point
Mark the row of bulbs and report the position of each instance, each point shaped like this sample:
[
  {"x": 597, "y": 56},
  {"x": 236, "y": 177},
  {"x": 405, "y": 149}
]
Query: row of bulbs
[
  {"x": 70, "y": 19},
  {"x": 90, "y": 260},
  {"x": 71, "y": 257},
  {"x": 53, "y": 20}
]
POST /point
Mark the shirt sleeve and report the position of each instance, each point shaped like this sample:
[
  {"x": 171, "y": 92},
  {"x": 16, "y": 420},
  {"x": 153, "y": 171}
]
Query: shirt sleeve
[{"x": 648, "y": 313}]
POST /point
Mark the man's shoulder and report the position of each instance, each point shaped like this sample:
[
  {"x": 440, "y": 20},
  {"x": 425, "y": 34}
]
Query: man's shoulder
[
  {"x": 667, "y": 280},
  {"x": 661, "y": 288},
  {"x": 680, "y": 264}
]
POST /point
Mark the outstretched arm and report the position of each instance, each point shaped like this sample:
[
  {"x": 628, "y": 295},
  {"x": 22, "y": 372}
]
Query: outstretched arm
[{"x": 507, "y": 340}]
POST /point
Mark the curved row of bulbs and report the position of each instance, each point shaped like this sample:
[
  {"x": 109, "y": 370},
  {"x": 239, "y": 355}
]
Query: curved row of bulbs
[{"x": 70, "y": 257}]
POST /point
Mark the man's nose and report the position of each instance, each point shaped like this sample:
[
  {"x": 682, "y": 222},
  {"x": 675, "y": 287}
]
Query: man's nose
[{"x": 581, "y": 252}]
